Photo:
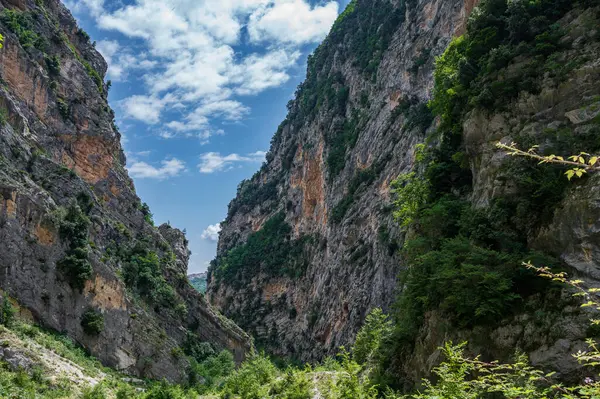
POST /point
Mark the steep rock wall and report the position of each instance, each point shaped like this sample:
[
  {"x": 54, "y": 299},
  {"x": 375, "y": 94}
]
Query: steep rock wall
[
  {"x": 352, "y": 129},
  {"x": 60, "y": 152},
  {"x": 350, "y": 132}
]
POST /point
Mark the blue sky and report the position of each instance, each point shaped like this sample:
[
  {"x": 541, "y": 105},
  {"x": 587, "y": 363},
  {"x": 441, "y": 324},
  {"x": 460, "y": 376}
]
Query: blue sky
[{"x": 198, "y": 88}]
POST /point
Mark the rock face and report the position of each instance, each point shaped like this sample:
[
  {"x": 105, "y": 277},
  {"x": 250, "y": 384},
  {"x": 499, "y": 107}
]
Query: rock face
[
  {"x": 351, "y": 131},
  {"x": 71, "y": 224},
  {"x": 322, "y": 202}
]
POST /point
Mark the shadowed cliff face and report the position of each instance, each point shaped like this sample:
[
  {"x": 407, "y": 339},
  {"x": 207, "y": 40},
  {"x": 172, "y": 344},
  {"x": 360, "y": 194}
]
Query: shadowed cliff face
[
  {"x": 310, "y": 245},
  {"x": 72, "y": 229},
  {"x": 349, "y": 133}
]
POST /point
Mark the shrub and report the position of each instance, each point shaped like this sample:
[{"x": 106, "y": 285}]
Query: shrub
[
  {"x": 197, "y": 349},
  {"x": 75, "y": 265},
  {"x": 411, "y": 193},
  {"x": 63, "y": 109},
  {"x": 7, "y": 311},
  {"x": 148, "y": 217},
  {"x": 3, "y": 117},
  {"x": 252, "y": 379},
  {"x": 213, "y": 371},
  {"x": 53, "y": 65},
  {"x": 371, "y": 338},
  {"x": 92, "y": 322},
  {"x": 21, "y": 24},
  {"x": 143, "y": 273},
  {"x": 96, "y": 392}
]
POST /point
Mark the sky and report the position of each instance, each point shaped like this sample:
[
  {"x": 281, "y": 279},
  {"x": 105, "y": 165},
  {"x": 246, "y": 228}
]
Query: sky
[{"x": 199, "y": 88}]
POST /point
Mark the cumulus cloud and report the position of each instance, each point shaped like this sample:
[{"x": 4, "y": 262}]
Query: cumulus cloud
[
  {"x": 190, "y": 53},
  {"x": 212, "y": 162},
  {"x": 121, "y": 61},
  {"x": 211, "y": 233},
  {"x": 143, "y": 108},
  {"x": 292, "y": 21},
  {"x": 169, "y": 168}
]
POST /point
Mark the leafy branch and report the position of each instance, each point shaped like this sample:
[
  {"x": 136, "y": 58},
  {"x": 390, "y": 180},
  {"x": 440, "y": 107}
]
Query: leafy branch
[{"x": 580, "y": 164}]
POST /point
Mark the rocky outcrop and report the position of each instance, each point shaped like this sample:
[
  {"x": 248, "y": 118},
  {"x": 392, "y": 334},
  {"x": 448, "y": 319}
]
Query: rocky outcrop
[{"x": 71, "y": 223}]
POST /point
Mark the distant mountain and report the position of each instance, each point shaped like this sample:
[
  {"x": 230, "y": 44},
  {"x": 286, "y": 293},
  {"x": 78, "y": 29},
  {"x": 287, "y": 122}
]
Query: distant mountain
[{"x": 198, "y": 281}]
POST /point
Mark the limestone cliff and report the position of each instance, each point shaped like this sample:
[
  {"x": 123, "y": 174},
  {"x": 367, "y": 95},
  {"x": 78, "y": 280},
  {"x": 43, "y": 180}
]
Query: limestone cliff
[
  {"x": 310, "y": 245},
  {"x": 76, "y": 243},
  {"x": 349, "y": 133}
]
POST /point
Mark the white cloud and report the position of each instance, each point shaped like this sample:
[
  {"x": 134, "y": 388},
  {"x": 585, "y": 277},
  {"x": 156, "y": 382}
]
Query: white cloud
[
  {"x": 292, "y": 21},
  {"x": 143, "y": 108},
  {"x": 169, "y": 168},
  {"x": 211, "y": 162},
  {"x": 211, "y": 233},
  {"x": 120, "y": 61},
  {"x": 94, "y": 6},
  {"x": 188, "y": 49}
]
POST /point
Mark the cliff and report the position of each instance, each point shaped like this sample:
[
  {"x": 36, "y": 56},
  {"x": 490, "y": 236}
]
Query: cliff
[
  {"x": 78, "y": 249},
  {"x": 350, "y": 131},
  {"x": 322, "y": 206}
]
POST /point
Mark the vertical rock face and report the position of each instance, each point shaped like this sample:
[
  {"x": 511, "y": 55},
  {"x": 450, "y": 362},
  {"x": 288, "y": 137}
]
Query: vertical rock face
[
  {"x": 72, "y": 229},
  {"x": 309, "y": 245},
  {"x": 349, "y": 133}
]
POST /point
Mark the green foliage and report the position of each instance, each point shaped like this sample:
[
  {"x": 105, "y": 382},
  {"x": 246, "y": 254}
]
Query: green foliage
[
  {"x": 251, "y": 380},
  {"x": 83, "y": 34},
  {"x": 92, "y": 322},
  {"x": 3, "y": 117},
  {"x": 340, "y": 142},
  {"x": 21, "y": 24},
  {"x": 411, "y": 193},
  {"x": 372, "y": 338},
  {"x": 143, "y": 273},
  {"x": 7, "y": 311},
  {"x": 199, "y": 284},
  {"x": 251, "y": 193},
  {"x": 516, "y": 380},
  {"x": 247, "y": 260},
  {"x": 148, "y": 217},
  {"x": 20, "y": 384},
  {"x": 53, "y": 65},
  {"x": 92, "y": 73},
  {"x": 96, "y": 392},
  {"x": 211, "y": 372},
  {"x": 75, "y": 266},
  {"x": 63, "y": 109},
  {"x": 197, "y": 349}
]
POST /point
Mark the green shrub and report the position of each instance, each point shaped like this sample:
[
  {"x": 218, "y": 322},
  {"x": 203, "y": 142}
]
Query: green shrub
[
  {"x": 21, "y": 24},
  {"x": 411, "y": 193},
  {"x": 212, "y": 371},
  {"x": 53, "y": 65},
  {"x": 3, "y": 117},
  {"x": 143, "y": 272},
  {"x": 75, "y": 265},
  {"x": 372, "y": 337},
  {"x": 96, "y": 392},
  {"x": 197, "y": 349},
  {"x": 63, "y": 109},
  {"x": 148, "y": 217},
  {"x": 7, "y": 311},
  {"x": 92, "y": 322},
  {"x": 252, "y": 379}
]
